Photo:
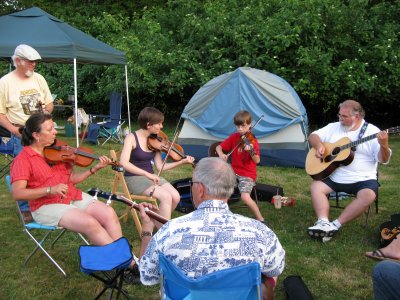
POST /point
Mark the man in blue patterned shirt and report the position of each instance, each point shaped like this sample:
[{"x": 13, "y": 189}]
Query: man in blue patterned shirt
[{"x": 211, "y": 238}]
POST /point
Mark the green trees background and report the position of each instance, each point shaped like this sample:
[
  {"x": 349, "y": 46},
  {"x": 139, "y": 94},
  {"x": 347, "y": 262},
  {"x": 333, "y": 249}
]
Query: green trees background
[{"x": 327, "y": 50}]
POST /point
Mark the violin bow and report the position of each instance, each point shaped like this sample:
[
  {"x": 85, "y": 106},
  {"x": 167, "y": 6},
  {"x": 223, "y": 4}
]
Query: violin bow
[
  {"x": 169, "y": 150},
  {"x": 163, "y": 164},
  {"x": 237, "y": 145}
]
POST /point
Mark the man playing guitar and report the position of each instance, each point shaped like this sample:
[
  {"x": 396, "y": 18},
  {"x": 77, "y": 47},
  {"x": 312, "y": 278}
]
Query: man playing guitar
[{"x": 357, "y": 176}]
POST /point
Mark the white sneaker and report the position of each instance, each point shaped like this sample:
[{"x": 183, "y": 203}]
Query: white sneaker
[{"x": 322, "y": 230}]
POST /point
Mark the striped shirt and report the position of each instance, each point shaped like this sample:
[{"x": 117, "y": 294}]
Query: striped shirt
[{"x": 212, "y": 238}]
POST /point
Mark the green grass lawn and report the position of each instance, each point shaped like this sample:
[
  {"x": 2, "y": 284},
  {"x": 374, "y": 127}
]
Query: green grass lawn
[{"x": 334, "y": 270}]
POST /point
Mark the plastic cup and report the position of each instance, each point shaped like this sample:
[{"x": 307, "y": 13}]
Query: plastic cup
[{"x": 278, "y": 201}]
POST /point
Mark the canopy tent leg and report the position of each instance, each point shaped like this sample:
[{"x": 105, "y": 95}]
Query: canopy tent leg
[{"x": 127, "y": 97}]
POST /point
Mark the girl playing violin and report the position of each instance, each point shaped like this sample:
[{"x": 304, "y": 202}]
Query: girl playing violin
[
  {"x": 245, "y": 158},
  {"x": 136, "y": 159},
  {"x": 50, "y": 190}
]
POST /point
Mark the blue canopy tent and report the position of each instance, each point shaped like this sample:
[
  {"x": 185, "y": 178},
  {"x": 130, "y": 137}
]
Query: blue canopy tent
[
  {"x": 57, "y": 42},
  {"x": 282, "y": 132}
]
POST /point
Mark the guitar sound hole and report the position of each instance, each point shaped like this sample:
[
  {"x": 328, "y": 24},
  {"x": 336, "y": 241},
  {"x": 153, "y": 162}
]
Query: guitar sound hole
[{"x": 335, "y": 151}]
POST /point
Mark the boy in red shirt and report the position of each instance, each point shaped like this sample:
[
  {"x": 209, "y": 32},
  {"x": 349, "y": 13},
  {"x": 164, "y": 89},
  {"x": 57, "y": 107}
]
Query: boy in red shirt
[{"x": 244, "y": 159}]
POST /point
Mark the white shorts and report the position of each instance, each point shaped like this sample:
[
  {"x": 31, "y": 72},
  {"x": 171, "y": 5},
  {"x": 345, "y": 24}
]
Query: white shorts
[{"x": 51, "y": 214}]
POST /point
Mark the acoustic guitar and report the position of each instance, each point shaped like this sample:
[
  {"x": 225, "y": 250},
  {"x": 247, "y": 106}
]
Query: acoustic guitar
[{"x": 336, "y": 154}]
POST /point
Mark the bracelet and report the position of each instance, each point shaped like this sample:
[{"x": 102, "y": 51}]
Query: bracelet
[
  {"x": 48, "y": 190},
  {"x": 146, "y": 233},
  {"x": 91, "y": 172}
]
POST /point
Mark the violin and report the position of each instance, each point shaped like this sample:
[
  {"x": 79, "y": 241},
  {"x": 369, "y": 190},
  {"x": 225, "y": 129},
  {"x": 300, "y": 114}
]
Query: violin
[
  {"x": 247, "y": 139},
  {"x": 160, "y": 142},
  {"x": 60, "y": 151}
]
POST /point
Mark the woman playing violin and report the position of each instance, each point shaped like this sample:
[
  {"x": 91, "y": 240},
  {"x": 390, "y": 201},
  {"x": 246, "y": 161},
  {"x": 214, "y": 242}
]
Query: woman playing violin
[
  {"x": 50, "y": 190},
  {"x": 245, "y": 157},
  {"x": 137, "y": 158}
]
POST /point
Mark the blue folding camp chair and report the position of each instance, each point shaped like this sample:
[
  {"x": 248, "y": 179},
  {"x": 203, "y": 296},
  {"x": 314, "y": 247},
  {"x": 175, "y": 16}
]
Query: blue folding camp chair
[
  {"x": 107, "y": 263},
  {"x": 7, "y": 153},
  {"x": 30, "y": 230},
  {"x": 110, "y": 128},
  {"x": 237, "y": 283}
]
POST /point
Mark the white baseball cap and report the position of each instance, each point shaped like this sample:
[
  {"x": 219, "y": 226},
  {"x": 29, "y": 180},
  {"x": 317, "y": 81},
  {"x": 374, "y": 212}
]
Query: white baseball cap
[{"x": 27, "y": 52}]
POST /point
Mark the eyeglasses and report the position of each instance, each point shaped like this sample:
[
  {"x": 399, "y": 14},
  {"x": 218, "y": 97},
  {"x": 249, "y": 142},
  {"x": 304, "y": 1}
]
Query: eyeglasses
[
  {"x": 193, "y": 182},
  {"x": 343, "y": 116}
]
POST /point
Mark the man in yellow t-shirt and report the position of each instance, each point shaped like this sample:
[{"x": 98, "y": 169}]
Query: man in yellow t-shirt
[{"x": 22, "y": 93}]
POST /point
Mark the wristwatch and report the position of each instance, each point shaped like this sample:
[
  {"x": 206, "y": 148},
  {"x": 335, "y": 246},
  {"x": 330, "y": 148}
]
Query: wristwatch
[
  {"x": 146, "y": 233},
  {"x": 48, "y": 191}
]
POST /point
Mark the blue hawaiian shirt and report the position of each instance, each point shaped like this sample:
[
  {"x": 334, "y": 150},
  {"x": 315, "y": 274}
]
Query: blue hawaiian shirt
[{"x": 210, "y": 239}]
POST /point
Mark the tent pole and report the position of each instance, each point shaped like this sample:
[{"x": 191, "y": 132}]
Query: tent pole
[
  {"x": 127, "y": 97},
  {"x": 76, "y": 104}
]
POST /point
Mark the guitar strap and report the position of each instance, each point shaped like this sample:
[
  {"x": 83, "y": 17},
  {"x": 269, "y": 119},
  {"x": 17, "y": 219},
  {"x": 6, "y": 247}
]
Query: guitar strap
[{"x": 360, "y": 135}]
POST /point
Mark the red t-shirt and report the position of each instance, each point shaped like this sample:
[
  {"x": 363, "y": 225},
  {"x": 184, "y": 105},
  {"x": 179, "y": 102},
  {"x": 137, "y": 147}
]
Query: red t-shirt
[
  {"x": 32, "y": 167},
  {"x": 242, "y": 164}
]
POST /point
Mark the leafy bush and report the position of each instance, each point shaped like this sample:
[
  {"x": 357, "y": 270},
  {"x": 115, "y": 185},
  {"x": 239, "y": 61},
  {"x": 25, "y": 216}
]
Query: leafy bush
[{"x": 328, "y": 50}]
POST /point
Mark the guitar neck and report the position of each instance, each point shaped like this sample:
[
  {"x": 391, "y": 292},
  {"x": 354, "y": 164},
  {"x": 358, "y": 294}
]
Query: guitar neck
[
  {"x": 358, "y": 142},
  {"x": 370, "y": 137}
]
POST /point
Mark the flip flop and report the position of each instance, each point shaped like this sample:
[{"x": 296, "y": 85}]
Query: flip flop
[{"x": 378, "y": 255}]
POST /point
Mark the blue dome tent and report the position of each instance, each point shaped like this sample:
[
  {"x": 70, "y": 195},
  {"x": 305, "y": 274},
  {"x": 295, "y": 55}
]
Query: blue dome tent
[{"x": 282, "y": 132}]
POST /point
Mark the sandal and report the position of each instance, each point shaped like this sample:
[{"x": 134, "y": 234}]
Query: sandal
[
  {"x": 132, "y": 275},
  {"x": 378, "y": 255}
]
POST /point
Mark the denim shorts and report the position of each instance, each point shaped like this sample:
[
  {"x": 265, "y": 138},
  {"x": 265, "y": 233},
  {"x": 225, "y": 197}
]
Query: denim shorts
[{"x": 352, "y": 188}]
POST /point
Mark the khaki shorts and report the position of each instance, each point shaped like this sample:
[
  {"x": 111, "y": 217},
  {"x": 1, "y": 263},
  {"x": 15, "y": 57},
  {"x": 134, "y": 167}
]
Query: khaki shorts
[
  {"x": 51, "y": 214},
  {"x": 245, "y": 184},
  {"x": 138, "y": 184}
]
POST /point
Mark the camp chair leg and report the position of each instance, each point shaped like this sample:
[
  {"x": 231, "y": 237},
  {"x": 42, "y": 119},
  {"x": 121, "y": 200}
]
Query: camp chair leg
[
  {"x": 62, "y": 233},
  {"x": 137, "y": 221},
  {"x": 39, "y": 245},
  {"x": 119, "y": 180},
  {"x": 367, "y": 214},
  {"x": 112, "y": 282},
  {"x": 124, "y": 216},
  {"x": 83, "y": 239},
  {"x": 57, "y": 238},
  {"x": 106, "y": 141}
]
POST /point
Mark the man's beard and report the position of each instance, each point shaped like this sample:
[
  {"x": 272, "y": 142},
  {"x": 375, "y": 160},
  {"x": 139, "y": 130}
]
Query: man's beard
[
  {"x": 349, "y": 128},
  {"x": 29, "y": 73}
]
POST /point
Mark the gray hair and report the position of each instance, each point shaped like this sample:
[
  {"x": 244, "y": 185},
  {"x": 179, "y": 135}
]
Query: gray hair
[
  {"x": 217, "y": 177},
  {"x": 356, "y": 108},
  {"x": 13, "y": 59}
]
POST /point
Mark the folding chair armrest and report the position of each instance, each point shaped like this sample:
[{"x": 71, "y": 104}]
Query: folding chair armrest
[{"x": 93, "y": 117}]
